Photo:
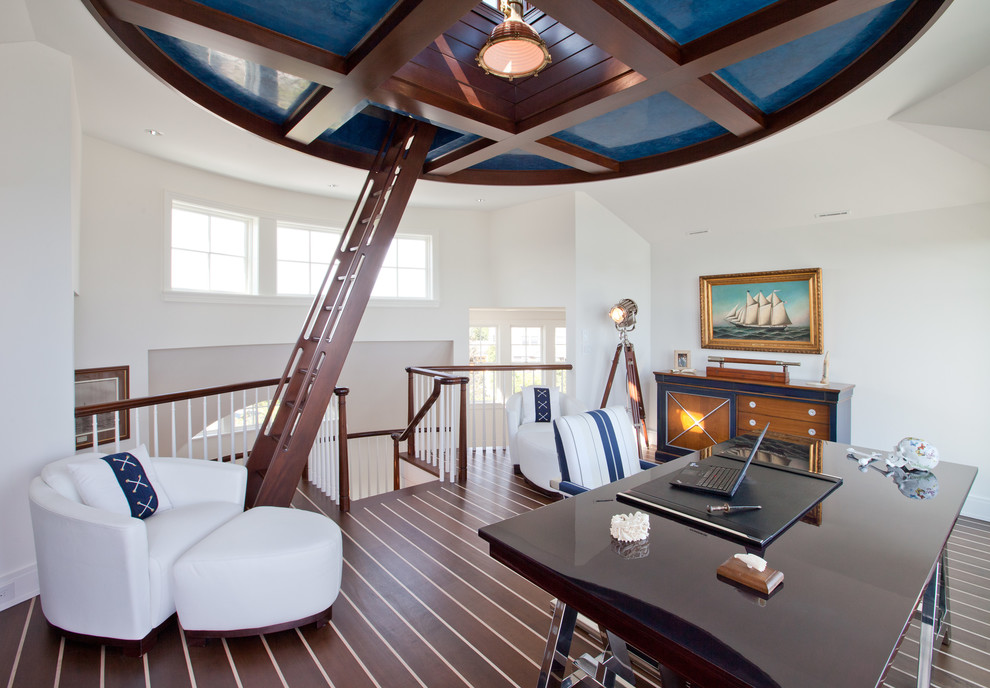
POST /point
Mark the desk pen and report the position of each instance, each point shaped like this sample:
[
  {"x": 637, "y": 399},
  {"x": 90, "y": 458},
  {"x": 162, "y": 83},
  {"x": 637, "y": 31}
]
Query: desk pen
[{"x": 726, "y": 509}]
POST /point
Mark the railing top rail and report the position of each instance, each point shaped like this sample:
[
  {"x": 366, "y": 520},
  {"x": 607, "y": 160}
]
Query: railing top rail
[
  {"x": 141, "y": 402},
  {"x": 541, "y": 366},
  {"x": 436, "y": 373}
]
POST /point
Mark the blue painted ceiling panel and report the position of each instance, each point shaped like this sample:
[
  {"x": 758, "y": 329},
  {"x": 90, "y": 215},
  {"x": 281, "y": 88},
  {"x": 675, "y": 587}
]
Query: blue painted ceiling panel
[
  {"x": 653, "y": 125},
  {"x": 778, "y": 77},
  {"x": 334, "y": 25},
  {"x": 518, "y": 161},
  {"x": 262, "y": 90},
  {"x": 685, "y": 20}
]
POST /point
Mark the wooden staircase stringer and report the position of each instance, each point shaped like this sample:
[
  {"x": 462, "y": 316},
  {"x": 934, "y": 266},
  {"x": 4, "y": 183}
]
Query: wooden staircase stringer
[{"x": 282, "y": 447}]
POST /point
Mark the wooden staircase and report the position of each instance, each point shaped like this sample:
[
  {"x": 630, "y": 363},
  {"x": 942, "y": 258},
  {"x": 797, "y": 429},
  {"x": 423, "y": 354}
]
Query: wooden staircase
[{"x": 281, "y": 450}]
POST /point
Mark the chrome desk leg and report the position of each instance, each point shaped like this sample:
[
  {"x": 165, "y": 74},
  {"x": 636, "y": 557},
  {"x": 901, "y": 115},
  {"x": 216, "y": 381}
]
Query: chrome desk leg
[
  {"x": 558, "y": 646},
  {"x": 929, "y": 612},
  {"x": 942, "y": 620}
]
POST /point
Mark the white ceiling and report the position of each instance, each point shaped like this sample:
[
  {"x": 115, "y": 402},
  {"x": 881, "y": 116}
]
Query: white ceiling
[{"x": 915, "y": 137}]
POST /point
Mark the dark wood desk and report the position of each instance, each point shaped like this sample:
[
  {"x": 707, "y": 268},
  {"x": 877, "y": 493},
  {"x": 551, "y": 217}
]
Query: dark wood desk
[{"x": 851, "y": 585}]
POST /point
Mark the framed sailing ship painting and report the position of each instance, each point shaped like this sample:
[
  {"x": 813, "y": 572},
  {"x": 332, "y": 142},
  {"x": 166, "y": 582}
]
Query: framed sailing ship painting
[{"x": 763, "y": 311}]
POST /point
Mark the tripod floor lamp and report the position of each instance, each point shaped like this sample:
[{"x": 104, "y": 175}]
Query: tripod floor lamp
[{"x": 623, "y": 314}]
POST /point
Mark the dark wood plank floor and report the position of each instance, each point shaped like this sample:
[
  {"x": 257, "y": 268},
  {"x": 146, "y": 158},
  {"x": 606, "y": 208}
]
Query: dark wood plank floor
[{"x": 423, "y": 604}]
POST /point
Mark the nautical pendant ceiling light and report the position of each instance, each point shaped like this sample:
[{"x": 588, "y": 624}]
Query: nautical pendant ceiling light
[{"x": 514, "y": 48}]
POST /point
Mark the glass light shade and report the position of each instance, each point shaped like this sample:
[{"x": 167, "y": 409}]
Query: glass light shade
[
  {"x": 514, "y": 49},
  {"x": 624, "y": 314}
]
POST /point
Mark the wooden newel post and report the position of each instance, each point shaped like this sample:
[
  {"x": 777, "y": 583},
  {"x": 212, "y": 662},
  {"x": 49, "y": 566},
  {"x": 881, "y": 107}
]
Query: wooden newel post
[
  {"x": 462, "y": 434},
  {"x": 410, "y": 414},
  {"x": 343, "y": 470},
  {"x": 396, "y": 482}
]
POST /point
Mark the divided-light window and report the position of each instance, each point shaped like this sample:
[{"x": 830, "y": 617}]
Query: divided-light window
[
  {"x": 211, "y": 250},
  {"x": 406, "y": 271},
  {"x": 303, "y": 257}
]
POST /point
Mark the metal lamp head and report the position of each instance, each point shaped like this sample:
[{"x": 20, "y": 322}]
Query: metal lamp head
[
  {"x": 623, "y": 314},
  {"x": 514, "y": 48}
]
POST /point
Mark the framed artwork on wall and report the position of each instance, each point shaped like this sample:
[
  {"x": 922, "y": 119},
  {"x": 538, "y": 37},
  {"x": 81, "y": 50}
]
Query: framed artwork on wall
[
  {"x": 763, "y": 311},
  {"x": 101, "y": 386}
]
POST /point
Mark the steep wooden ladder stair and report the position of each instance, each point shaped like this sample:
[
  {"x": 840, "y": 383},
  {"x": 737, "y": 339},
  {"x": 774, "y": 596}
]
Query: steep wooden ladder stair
[{"x": 280, "y": 452}]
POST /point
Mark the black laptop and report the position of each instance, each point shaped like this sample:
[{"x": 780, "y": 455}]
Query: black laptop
[{"x": 716, "y": 475}]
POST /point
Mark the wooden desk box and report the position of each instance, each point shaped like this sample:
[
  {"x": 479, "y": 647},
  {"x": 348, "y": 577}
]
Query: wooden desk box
[{"x": 694, "y": 411}]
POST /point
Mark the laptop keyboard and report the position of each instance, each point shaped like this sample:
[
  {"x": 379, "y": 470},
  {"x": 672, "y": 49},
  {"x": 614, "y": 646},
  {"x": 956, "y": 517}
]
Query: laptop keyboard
[{"x": 719, "y": 478}]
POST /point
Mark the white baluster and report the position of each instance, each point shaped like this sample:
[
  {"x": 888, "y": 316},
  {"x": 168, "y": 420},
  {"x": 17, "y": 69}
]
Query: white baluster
[
  {"x": 171, "y": 408},
  {"x": 156, "y": 450},
  {"x": 219, "y": 430},
  {"x": 189, "y": 432},
  {"x": 206, "y": 448}
]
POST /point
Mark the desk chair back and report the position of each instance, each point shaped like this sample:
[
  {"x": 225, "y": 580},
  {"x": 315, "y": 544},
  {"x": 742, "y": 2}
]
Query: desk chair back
[{"x": 596, "y": 448}]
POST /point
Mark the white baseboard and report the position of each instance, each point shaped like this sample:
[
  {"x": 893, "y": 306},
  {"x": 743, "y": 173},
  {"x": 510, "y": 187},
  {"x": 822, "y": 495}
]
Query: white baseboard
[
  {"x": 25, "y": 584},
  {"x": 977, "y": 507}
]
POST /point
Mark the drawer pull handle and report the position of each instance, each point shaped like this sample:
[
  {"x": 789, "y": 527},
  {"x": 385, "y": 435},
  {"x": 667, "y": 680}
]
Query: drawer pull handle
[
  {"x": 752, "y": 404},
  {"x": 752, "y": 422},
  {"x": 811, "y": 431},
  {"x": 812, "y": 412}
]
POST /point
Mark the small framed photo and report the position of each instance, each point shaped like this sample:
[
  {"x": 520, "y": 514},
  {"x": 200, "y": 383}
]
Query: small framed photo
[{"x": 682, "y": 360}]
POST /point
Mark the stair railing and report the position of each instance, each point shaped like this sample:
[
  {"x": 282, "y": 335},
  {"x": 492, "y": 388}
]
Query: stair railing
[
  {"x": 436, "y": 434},
  {"x": 215, "y": 424},
  {"x": 490, "y": 386}
]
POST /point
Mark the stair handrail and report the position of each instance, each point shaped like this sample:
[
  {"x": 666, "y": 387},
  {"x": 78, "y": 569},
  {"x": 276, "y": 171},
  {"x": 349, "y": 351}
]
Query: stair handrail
[
  {"x": 141, "y": 402},
  {"x": 440, "y": 380}
]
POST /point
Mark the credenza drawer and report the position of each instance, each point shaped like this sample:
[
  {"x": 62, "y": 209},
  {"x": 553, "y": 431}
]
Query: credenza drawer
[
  {"x": 748, "y": 422},
  {"x": 792, "y": 417}
]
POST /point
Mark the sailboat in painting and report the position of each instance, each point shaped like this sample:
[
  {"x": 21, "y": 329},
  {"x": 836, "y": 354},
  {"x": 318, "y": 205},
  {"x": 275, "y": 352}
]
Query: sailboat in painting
[{"x": 760, "y": 312}]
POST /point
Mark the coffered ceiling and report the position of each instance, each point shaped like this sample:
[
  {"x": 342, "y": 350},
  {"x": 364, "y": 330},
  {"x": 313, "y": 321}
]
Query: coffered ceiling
[{"x": 633, "y": 87}]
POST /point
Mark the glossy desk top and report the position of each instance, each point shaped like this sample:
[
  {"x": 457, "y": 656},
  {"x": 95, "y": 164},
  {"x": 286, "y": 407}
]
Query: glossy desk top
[{"x": 850, "y": 584}]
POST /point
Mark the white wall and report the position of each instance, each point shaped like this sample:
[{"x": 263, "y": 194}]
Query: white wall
[
  {"x": 904, "y": 311},
  {"x": 612, "y": 262},
  {"x": 121, "y": 313},
  {"x": 39, "y": 127}
]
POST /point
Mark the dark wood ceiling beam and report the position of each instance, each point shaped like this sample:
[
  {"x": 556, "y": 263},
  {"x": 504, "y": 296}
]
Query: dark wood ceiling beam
[
  {"x": 572, "y": 156},
  {"x": 772, "y": 27},
  {"x": 624, "y": 90},
  {"x": 803, "y": 17},
  {"x": 439, "y": 109},
  {"x": 448, "y": 158},
  {"x": 402, "y": 43},
  {"x": 617, "y": 30},
  {"x": 639, "y": 44},
  {"x": 202, "y": 25},
  {"x": 722, "y": 106}
]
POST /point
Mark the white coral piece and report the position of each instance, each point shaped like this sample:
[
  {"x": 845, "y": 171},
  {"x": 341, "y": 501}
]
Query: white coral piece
[{"x": 630, "y": 527}]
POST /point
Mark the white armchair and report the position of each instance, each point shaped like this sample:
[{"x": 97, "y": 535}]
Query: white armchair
[
  {"x": 107, "y": 576},
  {"x": 531, "y": 444}
]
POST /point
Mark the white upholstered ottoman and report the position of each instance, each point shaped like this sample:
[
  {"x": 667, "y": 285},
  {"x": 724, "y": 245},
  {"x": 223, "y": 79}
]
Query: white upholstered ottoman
[{"x": 267, "y": 570}]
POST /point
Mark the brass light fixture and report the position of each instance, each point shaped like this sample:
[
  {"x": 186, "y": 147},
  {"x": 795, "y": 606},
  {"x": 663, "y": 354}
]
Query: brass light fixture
[{"x": 514, "y": 48}]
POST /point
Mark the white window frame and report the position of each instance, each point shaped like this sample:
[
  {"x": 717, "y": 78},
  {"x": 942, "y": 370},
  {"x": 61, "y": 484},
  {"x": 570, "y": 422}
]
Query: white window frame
[
  {"x": 251, "y": 248},
  {"x": 430, "y": 298},
  {"x": 279, "y": 224},
  {"x": 263, "y": 258}
]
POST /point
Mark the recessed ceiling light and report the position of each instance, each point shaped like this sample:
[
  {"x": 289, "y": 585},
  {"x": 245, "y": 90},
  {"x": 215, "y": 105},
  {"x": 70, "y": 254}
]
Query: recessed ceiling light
[
  {"x": 832, "y": 213},
  {"x": 331, "y": 186},
  {"x": 153, "y": 132},
  {"x": 480, "y": 200}
]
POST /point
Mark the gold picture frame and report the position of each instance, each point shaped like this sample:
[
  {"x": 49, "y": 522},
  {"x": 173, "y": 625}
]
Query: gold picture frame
[{"x": 763, "y": 311}]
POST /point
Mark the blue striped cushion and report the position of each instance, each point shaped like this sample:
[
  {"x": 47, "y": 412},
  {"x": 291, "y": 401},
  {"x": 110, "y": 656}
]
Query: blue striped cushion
[{"x": 597, "y": 447}]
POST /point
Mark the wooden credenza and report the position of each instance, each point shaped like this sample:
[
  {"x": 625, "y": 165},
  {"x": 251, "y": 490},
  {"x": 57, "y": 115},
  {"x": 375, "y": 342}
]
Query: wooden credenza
[{"x": 694, "y": 411}]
